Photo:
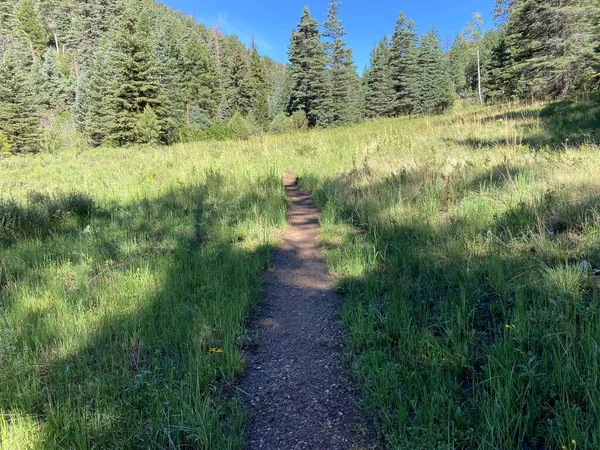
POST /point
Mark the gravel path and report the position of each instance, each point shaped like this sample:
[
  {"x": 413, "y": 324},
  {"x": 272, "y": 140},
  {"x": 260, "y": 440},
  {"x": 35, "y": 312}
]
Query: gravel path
[{"x": 295, "y": 385}]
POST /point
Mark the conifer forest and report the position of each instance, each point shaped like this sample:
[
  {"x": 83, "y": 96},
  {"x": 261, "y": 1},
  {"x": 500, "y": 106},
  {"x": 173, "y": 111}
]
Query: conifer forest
[{"x": 143, "y": 219}]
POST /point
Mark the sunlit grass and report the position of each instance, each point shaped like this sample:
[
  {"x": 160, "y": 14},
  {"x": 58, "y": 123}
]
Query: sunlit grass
[{"x": 466, "y": 245}]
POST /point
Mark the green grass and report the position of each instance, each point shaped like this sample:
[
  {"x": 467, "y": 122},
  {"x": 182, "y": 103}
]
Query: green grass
[
  {"x": 472, "y": 307},
  {"x": 465, "y": 244}
]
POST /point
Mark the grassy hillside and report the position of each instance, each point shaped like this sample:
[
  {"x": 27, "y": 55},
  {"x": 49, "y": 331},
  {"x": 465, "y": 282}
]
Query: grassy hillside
[{"x": 466, "y": 245}]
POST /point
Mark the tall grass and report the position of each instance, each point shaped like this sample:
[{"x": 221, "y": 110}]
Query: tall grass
[
  {"x": 466, "y": 245},
  {"x": 469, "y": 270}
]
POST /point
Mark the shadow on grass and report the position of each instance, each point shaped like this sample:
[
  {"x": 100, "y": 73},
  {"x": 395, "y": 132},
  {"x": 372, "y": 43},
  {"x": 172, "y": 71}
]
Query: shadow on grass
[
  {"x": 123, "y": 328},
  {"x": 468, "y": 335},
  {"x": 563, "y": 123}
]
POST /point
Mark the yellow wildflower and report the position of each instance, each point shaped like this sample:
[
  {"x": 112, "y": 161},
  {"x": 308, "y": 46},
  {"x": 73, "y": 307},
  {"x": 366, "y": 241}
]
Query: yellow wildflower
[{"x": 215, "y": 350}]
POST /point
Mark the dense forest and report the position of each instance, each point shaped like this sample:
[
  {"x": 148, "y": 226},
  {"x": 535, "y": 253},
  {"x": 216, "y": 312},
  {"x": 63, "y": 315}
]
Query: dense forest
[{"x": 120, "y": 72}]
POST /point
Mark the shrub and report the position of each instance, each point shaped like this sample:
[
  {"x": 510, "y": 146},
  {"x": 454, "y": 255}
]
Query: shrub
[
  {"x": 281, "y": 124},
  {"x": 300, "y": 121},
  {"x": 239, "y": 127},
  {"x": 216, "y": 132}
]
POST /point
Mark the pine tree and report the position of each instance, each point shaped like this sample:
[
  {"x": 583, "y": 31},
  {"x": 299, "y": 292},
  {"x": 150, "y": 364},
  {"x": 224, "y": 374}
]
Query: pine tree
[
  {"x": 311, "y": 91},
  {"x": 238, "y": 88},
  {"x": 498, "y": 75},
  {"x": 279, "y": 83},
  {"x": 30, "y": 25},
  {"x": 258, "y": 87},
  {"x": 19, "y": 119},
  {"x": 403, "y": 66},
  {"x": 435, "y": 85},
  {"x": 136, "y": 80},
  {"x": 53, "y": 85},
  {"x": 379, "y": 89},
  {"x": 344, "y": 80},
  {"x": 8, "y": 17},
  {"x": 95, "y": 97},
  {"x": 552, "y": 44},
  {"x": 458, "y": 60}
]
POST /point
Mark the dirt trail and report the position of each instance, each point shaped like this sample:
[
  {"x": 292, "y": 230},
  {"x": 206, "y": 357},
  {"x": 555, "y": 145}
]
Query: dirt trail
[{"x": 296, "y": 386}]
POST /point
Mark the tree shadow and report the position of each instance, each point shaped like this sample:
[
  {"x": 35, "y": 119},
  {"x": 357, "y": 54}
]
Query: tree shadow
[
  {"x": 563, "y": 124},
  {"x": 123, "y": 328}
]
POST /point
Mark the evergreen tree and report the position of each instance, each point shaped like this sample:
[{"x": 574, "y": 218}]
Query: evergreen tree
[
  {"x": 344, "y": 80},
  {"x": 311, "y": 90},
  {"x": 552, "y": 44},
  {"x": 435, "y": 84},
  {"x": 498, "y": 76},
  {"x": 30, "y": 25},
  {"x": 258, "y": 87},
  {"x": 279, "y": 83},
  {"x": 458, "y": 60},
  {"x": 53, "y": 85},
  {"x": 136, "y": 80},
  {"x": 239, "y": 85},
  {"x": 379, "y": 89},
  {"x": 8, "y": 17},
  {"x": 403, "y": 66},
  {"x": 94, "y": 103},
  {"x": 19, "y": 119}
]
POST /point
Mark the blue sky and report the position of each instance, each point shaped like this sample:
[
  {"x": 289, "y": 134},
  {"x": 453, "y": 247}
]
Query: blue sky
[{"x": 271, "y": 21}]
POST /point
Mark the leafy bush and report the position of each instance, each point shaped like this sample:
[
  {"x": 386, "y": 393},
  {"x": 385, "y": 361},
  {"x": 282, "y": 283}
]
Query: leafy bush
[
  {"x": 239, "y": 127},
  {"x": 300, "y": 121},
  {"x": 281, "y": 124},
  {"x": 216, "y": 132}
]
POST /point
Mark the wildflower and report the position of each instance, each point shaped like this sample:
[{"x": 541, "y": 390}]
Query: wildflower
[
  {"x": 508, "y": 327},
  {"x": 215, "y": 350}
]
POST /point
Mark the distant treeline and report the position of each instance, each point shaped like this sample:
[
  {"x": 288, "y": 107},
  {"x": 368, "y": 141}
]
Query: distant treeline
[{"x": 120, "y": 72}]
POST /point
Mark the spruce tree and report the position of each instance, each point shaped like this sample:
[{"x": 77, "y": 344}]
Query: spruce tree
[
  {"x": 435, "y": 84},
  {"x": 95, "y": 97},
  {"x": 200, "y": 78},
  {"x": 239, "y": 85},
  {"x": 379, "y": 89},
  {"x": 258, "y": 87},
  {"x": 552, "y": 45},
  {"x": 403, "y": 66},
  {"x": 458, "y": 59},
  {"x": 279, "y": 83},
  {"x": 29, "y": 25},
  {"x": 8, "y": 17},
  {"x": 344, "y": 80},
  {"x": 53, "y": 84},
  {"x": 19, "y": 119},
  {"x": 499, "y": 78},
  {"x": 311, "y": 92},
  {"x": 136, "y": 83}
]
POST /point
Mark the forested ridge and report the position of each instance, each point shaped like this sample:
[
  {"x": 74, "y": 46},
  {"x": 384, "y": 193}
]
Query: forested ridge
[{"x": 118, "y": 72}]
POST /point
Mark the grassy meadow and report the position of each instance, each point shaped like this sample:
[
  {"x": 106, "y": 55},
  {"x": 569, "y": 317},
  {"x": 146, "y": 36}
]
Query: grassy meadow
[{"x": 466, "y": 245}]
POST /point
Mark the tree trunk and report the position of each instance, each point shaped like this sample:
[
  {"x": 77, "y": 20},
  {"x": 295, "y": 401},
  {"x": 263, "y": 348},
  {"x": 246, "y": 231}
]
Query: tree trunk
[{"x": 479, "y": 75}]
